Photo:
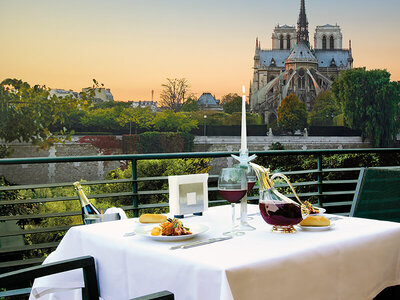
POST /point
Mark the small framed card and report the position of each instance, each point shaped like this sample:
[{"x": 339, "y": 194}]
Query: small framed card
[{"x": 188, "y": 194}]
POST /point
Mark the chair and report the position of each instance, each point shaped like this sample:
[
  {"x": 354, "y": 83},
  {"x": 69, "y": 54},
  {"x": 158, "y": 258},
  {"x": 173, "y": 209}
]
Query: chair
[
  {"x": 164, "y": 295},
  {"x": 24, "y": 277},
  {"x": 377, "y": 195}
]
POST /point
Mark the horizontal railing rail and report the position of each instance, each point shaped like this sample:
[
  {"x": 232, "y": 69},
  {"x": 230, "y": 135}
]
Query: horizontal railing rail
[{"x": 26, "y": 249}]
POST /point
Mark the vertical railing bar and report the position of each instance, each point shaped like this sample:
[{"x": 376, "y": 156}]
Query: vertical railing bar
[
  {"x": 319, "y": 178},
  {"x": 134, "y": 188}
]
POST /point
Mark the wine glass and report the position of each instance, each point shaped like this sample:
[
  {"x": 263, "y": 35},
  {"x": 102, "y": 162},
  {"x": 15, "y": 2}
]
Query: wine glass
[
  {"x": 232, "y": 186},
  {"x": 251, "y": 178}
]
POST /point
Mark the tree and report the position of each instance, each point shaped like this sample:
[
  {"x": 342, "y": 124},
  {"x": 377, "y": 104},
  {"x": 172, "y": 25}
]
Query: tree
[
  {"x": 141, "y": 117},
  {"x": 324, "y": 110},
  {"x": 292, "y": 114},
  {"x": 232, "y": 103},
  {"x": 101, "y": 119},
  {"x": 28, "y": 112},
  {"x": 174, "y": 93},
  {"x": 229, "y": 97},
  {"x": 190, "y": 105},
  {"x": 174, "y": 122},
  {"x": 369, "y": 101}
]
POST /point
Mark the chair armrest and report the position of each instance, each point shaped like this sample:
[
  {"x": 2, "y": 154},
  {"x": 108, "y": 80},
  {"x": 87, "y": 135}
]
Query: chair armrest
[
  {"x": 87, "y": 263},
  {"x": 164, "y": 295}
]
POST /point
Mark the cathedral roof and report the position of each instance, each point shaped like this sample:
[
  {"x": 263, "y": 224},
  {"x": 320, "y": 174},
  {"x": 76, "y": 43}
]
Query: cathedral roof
[
  {"x": 279, "y": 56},
  {"x": 285, "y": 26},
  {"x": 325, "y": 57},
  {"x": 301, "y": 53}
]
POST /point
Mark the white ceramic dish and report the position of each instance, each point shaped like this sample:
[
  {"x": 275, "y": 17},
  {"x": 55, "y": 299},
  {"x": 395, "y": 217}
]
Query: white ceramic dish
[
  {"x": 317, "y": 228},
  {"x": 145, "y": 231}
]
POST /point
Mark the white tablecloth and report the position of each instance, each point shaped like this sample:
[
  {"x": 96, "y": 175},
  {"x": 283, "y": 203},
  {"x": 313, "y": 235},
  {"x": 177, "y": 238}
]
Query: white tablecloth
[{"x": 355, "y": 260}]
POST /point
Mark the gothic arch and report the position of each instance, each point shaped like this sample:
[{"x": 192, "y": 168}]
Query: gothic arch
[
  {"x": 324, "y": 42},
  {"x": 331, "y": 43},
  {"x": 281, "y": 42}
]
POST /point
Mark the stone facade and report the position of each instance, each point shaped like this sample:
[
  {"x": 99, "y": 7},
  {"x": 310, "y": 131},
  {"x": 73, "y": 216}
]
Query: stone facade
[
  {"x": 84, "y": 146},
  {"x": 261, "y": 143},
  {"x": 61, "y": 172},
  {"x": 292, "y": 66}
]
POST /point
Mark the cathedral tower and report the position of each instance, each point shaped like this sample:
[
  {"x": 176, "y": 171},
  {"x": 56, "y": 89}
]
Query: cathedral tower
[{"x": 302, "y": 24}]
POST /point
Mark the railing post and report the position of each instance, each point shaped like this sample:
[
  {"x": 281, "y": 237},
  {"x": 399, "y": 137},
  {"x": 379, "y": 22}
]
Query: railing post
[
  {"x": 134, "y": 188},
  {"x": 319, "y": 178}
]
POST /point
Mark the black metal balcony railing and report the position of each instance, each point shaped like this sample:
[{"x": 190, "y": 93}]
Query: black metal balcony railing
[{"x": 335, "y": 195}]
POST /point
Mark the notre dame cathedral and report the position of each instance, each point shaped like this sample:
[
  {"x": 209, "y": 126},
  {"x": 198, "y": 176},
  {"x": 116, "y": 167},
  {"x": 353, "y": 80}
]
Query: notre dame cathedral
[{"x": 293, "y": 66}]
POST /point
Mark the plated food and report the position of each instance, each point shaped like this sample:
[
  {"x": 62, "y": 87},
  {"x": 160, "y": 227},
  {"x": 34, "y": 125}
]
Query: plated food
[
  {"x": 171, "y": 227},
  {"x": 314, "y": 210},
  {"x": 152, "y": 218},
  {"x": 316, "y": 223},
  {"x": 146, "y": 231}
]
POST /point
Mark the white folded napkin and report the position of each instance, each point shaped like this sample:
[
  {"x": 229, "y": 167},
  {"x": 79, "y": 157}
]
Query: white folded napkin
[{"x": 116, "y": 210}]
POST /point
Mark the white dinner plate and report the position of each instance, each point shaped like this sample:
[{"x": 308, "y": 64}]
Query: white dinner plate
[
  {"x": 196, "y": 229},
  {"x": 317, "y": 228}
]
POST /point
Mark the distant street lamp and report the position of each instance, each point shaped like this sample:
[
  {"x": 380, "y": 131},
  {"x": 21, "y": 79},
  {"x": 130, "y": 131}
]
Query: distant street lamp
[
  {"x": 130, "y": 123},
  {"x": 205, "y": 126}
]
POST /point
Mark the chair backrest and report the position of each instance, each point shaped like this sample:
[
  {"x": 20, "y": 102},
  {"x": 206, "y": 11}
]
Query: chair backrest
[
  {"x": 377, "y": 195},
  {"x": 24, "y": 276}
]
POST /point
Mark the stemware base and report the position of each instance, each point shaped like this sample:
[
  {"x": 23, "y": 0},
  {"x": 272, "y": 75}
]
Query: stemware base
[
  {"x": 244, "y": 226},
  {"x": 233, "y": 233},
  {"x": 283, "y": 229}
]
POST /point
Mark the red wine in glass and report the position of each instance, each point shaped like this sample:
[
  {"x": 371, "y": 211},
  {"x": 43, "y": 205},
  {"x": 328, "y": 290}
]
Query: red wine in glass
[
  {"x": 250, "y": 185},
  {"x": 233, "y": 196},
  {"x": 232, "y": 186}
]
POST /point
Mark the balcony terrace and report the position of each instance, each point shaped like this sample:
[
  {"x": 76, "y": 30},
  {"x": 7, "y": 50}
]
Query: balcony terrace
[{"x": 26, "y": 236}]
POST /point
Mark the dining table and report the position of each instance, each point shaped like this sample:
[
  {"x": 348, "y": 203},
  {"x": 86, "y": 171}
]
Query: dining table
[{"x": 354, "y": 258}]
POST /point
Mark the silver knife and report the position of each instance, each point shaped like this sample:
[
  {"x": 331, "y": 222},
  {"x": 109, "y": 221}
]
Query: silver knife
[{"x": 200, "y": 243}]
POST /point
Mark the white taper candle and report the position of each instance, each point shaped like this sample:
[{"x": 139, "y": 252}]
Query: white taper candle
[{"x": 244, "y": 136}]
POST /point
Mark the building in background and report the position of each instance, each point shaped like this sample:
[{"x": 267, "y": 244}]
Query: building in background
[
  {"x": 293, "y": 66},
  {"x": 208, "y": 102},
  {"x": 63, "y": 93},
  {"x": 151, "y": 104},
  {"x": 101, "y": 95}
]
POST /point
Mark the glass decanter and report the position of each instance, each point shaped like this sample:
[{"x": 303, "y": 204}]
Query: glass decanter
[{"x": 276, "y": 209}]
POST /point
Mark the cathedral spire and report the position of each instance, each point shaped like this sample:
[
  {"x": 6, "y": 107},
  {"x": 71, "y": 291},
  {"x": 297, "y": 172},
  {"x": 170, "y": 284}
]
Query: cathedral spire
[{"x": 302, "y": 24}]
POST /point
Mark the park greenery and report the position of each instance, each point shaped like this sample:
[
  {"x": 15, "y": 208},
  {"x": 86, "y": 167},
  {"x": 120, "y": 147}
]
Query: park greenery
[
  {"x": 28, "y": 113},
  {"x": 325, "y": 110},
  {"x": 292, "y": 114},
  {"x": 370, "y": 102},
  {"x": 360, "y": 99}
]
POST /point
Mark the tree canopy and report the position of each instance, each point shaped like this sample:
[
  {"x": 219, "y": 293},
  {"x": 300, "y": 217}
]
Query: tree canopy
[
  {"x": 324, "y": 110},
  {"x": 172, "y": 121},
  {"x": 27, "y": 112},
  {"x": 174, "y": 93},
  {"x": 292, "y": 114},
  {"x": 140, "y": 117},
  {"x": 232, "y": 103},
  {"x": 369, "y": 101},
  {"x": 190, "y": 105}
]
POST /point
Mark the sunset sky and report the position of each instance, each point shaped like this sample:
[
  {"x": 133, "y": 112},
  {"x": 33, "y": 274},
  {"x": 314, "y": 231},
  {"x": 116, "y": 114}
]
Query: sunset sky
[{"x": 132, "y": 46}]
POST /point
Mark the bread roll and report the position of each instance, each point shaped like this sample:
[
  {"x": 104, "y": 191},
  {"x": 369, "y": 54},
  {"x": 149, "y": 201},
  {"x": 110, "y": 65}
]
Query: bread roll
[
  {"x": 152, "y": 218},
  {"x": 315, "y": 221}
]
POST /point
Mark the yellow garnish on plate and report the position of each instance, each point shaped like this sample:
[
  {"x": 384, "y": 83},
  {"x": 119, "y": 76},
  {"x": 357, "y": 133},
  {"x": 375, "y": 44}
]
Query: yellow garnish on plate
[{"x": 156, "y": 231}]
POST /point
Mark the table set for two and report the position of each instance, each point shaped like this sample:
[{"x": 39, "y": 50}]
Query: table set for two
[{"x": 353, "y": 259}]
